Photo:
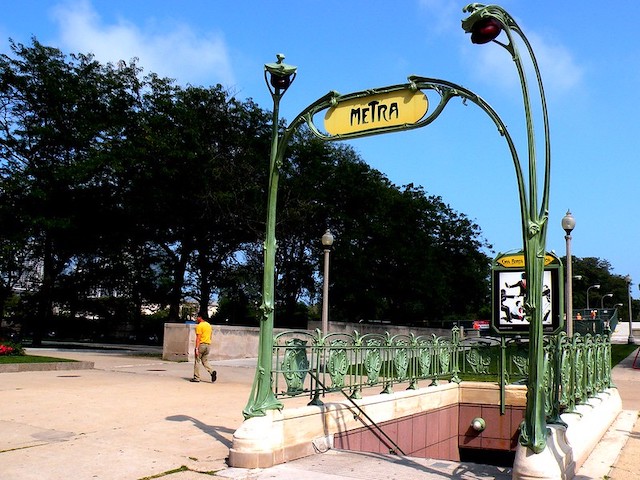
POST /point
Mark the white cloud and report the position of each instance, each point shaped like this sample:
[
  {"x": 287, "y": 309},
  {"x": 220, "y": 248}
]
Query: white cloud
[
  {"x": 560, "y": 72},
  {"x": 557, "y": 64},
  {"x": 176, "y": 52},
  {"x": 444, "y": 15}
]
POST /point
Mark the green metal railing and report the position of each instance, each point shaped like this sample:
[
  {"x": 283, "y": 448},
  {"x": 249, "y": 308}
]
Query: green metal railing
[{"x": 308, "y": 363}]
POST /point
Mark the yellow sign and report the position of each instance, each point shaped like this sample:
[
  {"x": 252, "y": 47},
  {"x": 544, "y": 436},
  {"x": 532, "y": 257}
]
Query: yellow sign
[
  {"x": 380, "y": 110},
  {"x": 517, "y": 261}
]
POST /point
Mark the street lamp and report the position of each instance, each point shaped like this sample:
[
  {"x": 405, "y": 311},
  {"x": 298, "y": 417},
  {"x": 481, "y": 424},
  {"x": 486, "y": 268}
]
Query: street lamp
[
  {"x": 327, "y": 241},
  {"x": 596, "y": 286},
  {"x": 631, "y": 340},
  {"x": 278, "y": 77},
  {"x": 486, "y": 23},
  {"x": 602, "y": 299},
  {"x": 568, "y": 224}
]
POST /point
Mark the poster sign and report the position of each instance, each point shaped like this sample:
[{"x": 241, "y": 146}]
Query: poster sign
[{"x": 509, "y": 287}]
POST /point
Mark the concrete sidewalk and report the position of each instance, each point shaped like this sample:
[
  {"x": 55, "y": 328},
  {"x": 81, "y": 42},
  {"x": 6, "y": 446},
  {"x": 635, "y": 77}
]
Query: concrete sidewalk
[
  {"x": 626, "y": 466},
  {"x": 135, "y": 416}
]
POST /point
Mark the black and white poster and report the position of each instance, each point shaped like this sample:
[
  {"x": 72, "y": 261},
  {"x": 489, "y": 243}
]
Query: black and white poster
[
  {"x": 510, "y": 296},
  {"x": 513, "y": 291}
]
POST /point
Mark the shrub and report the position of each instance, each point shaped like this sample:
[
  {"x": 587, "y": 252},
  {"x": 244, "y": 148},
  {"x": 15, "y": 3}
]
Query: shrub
[{"x": 11, "y": 348}]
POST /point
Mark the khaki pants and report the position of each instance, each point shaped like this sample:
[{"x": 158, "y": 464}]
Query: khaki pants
[{"x": 202, "y": 359}]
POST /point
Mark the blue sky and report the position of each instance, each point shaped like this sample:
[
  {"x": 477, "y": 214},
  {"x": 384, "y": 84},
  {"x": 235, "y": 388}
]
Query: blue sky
[{"x": 589, "y": 58}]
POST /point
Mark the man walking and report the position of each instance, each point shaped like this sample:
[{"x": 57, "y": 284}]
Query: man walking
[{"x": 203, "y": 343}]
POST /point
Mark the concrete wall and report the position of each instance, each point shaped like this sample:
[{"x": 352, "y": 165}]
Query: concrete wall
[
  {"x": 281, "y": 436},
  {"x": 482, "y": 400},
  {"x": 429, "y": 434},
  {"x": 424, "y": 422},
  {"x": 179, "y": 342},
  {"x": 242, "y": 342},
  {"x": 440, "y": 432}
]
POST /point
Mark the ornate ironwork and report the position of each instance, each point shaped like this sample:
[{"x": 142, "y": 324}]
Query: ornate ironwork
[
  {"x": 573, "y": 369},
  {"x": 479, "y": 363},
  {"x": 373, "y": 360},
  {"x": 295, "y": 365},
  {"x": 338, "y": 364}
]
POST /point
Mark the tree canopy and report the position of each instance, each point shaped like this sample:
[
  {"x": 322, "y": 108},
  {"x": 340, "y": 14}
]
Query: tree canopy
[
  {"x": 589, "y": 272},
  {"x": 120, "y": 190}
]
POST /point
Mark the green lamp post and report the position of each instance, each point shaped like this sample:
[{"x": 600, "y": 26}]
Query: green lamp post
[
  {"x": 278, "y": 77},
  {"x": 485, "y": 23}
]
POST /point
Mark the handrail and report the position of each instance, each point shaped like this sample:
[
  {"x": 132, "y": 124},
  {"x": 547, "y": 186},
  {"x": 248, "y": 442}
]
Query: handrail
[{"x": 396, "y": 448}]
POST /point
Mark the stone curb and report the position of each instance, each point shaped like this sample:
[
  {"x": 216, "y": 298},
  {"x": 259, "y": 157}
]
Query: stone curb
[{"x": 45, "y": 367}]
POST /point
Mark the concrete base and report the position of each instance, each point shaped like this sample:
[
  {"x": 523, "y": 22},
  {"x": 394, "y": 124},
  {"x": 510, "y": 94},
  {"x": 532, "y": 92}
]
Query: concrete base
[
  {"x": 568, "y": 448},
  {"x": 554, "y": 462},
  {"x": 258, "y": 443},
  {"x": 293, "y": 433},
  {"x": 282, "y": 436},
  {"x": 44, "y": 367}
]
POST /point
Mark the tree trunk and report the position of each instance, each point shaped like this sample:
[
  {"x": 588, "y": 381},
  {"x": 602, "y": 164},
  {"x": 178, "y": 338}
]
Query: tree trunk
[
  {"x": 44, "y": 312},
  {"x": 175, "y": 295}
]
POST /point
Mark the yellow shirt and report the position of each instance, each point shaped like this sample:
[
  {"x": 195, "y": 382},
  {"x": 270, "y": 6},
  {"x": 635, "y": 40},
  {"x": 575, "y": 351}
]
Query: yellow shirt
[{"x": 204, "y": 330}]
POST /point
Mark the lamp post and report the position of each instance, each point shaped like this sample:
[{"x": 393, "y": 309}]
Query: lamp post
[
  {"x": 327, "y": 241},
  {"x": 596, "y": 286},
  {"x": 568, "y": 224},
  {"x": 486, "y": 23},
  {"x": 618, "y": 305},
  {"x": 602, "y": 299},
  {"x": 630, "y": 340},
  {"x": 278, "y": 77}
]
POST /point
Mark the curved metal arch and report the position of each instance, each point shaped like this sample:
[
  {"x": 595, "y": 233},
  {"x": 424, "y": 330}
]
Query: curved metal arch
[
  {"x": 534, "y": 223},
  {"x": 446, "y": 91}
]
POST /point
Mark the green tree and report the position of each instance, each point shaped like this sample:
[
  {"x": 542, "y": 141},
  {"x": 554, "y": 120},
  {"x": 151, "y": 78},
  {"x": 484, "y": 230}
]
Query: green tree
[
  {"x": 399, "y": 255},
  {"x": 196, "y": 182},
  {"x": 152, "y": 192},
  {"x": 596, "y": 271},
  {"x": 57, "y": 113}
]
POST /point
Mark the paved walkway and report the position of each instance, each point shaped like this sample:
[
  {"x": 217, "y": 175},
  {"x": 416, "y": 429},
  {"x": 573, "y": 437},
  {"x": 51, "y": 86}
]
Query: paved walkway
[{"x": 135, "y": 416}]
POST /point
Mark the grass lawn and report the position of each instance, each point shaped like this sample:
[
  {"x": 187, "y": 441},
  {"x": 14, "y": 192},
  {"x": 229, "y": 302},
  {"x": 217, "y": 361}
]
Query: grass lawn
[
  {"x": 621, "y": 351},
  {"x": 5, "y": 359}
]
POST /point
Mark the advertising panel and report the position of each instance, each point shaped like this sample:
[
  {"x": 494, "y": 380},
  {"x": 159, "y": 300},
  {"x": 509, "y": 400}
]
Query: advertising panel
[{"x": 509, "y": 289}]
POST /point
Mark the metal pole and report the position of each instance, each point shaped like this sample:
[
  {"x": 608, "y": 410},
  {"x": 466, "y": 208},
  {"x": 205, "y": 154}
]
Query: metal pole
[
  {"x": 262, "y": 397},
  {"x": 325, "y": 294},
  {"x": 327, "y": 242},
  {"x": 597, "y": 287},
  {"x": 568, "y": 224},
  {"x": 602, "y": 300},
  {"x": 486, "y": 23},
  {"x": 630, "y": 340},
  {"x": 569, "y": 288}
]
